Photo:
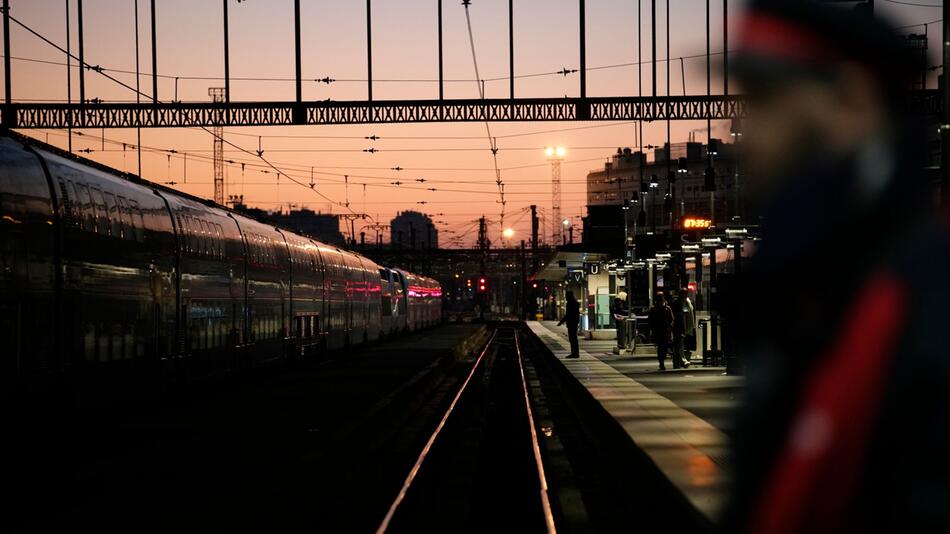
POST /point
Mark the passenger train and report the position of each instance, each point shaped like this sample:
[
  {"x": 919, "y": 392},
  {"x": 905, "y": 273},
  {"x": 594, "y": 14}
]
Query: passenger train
[{"x": 100, "y": 271}]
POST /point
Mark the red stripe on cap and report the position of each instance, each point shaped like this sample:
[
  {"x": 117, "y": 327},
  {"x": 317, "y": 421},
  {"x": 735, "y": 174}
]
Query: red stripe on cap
[{"x": 770, "y": 36}]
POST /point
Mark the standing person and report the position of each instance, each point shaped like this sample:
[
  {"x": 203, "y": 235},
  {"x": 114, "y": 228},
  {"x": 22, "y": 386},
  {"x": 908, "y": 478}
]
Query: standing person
[
  {"x": 661, "y": 327},
  {"x": 682, "y": 318},
  {"x": 846, "y": 421},
  {"x": 620, "y": 311},
  {"x": 572, "y": 316}
]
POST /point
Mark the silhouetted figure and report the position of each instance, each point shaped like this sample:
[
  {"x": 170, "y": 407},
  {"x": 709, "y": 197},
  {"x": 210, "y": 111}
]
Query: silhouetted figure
[
  {"x": 846, "y": 422},
  {"x": 684, "y": 321},
  {"x": 619, "y": 310},
  {"x": 660, "y": 318},
  {"x": 572, "y": 317}
]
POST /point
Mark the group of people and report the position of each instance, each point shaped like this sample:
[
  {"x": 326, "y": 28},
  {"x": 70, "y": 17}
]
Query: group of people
[{"x": 672, "y": 326}]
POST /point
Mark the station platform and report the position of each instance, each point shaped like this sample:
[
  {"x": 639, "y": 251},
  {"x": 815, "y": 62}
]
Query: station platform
[{"x": 681, "y": 419}]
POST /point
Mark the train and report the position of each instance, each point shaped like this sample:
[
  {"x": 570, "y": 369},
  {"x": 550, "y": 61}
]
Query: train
[{"x": 102, "y": 272}]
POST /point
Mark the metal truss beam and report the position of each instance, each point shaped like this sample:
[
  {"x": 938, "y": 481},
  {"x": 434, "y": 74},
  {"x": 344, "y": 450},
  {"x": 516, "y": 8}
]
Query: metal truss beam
[{"x": 191, "y": 114}]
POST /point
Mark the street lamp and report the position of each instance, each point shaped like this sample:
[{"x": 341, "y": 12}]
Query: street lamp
[{"x": 566, "y": 223}]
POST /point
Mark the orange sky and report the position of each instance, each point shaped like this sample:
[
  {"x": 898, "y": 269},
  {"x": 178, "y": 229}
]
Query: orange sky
[{"x": 453, "y": 158}]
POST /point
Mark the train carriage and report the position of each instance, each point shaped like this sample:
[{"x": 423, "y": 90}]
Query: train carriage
[
  {"x": 392, "y": 302},
  {"x": 424, "y": 300},
  {"x": 117, "y": 294},
  {"x": 104, "y": 273},
  {"x": 211, "y": 282},
  {"x": 267, "y": 261},
  {"x": 306, "y": 295}
]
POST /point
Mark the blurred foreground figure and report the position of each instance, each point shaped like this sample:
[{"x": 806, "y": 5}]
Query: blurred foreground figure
[{"x": 846, "y": 426}]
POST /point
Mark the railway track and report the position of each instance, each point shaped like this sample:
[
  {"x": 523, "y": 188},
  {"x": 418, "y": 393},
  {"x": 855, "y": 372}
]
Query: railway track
[
  {"x": 400, "y": 437},
  {"x": 481, "y": 468}
]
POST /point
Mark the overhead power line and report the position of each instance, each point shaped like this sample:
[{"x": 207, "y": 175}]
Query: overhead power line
[{"x": 100, "y": 70}]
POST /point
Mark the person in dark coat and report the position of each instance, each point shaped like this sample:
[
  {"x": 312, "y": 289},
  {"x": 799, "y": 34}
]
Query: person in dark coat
[
  {"x": 660, "y": 319},
  {"x": 572, "y": 317},
  {"x": 681, "y": 309},
  {"x": 846, "y": 421},
  {"x": 620, "y": 311}
]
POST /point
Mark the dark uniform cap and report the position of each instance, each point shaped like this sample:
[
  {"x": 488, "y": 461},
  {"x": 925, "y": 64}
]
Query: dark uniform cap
[{"x": 783, "y": 40}]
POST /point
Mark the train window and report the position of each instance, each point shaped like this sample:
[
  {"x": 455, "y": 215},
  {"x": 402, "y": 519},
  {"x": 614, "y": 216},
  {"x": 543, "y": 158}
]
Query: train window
[
  {"x": 205, "y": 238},
  {"x": 182, "y": 237},
  {"x": 192, "y": 234},
  {"x": 219, "y": 240},
  {"x": 138, "y": 220},
  {"x": 113, "y": 210},
  {"x": 183, "y": 233},
  {"x": 69, "y": 202},
  {"x": 99, "y": 205},
  {"x": 89, "y": 213},
  {"x": 125, "y": 216},
  {"x": 77, "y": 205}
]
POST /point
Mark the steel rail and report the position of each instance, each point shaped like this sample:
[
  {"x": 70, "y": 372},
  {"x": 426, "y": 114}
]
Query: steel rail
[
  {"x": 400, "y": 497},
  {"x": 542, "y": 479}
]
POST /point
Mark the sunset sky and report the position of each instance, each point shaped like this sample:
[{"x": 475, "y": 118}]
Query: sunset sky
[{"x": 453, "y": 158}]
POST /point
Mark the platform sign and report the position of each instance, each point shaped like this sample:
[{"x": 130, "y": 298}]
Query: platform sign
[
  {"x": 696, "y": 223},
  {"x": 592, "y": 268},
  {"x": 575, "y": 275}
]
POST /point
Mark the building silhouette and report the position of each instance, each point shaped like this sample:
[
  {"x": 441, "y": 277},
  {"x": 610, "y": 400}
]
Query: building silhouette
[
  {"x": 653, "y": 189},
  {"x": 412, "y": 230}
]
